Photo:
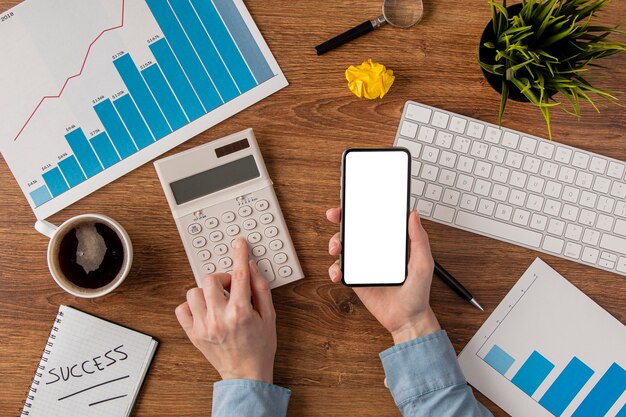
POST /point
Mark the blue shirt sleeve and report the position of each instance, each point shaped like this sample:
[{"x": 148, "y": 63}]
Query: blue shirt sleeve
[
  {"x": 425, "y": 379},
  {"x": 245, "y": 397}
]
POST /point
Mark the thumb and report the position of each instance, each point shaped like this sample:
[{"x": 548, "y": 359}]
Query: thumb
[{"x": 421, "y": 257}]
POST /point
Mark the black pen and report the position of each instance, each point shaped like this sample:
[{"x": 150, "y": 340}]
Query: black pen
[{"x": 456, "y": 285}]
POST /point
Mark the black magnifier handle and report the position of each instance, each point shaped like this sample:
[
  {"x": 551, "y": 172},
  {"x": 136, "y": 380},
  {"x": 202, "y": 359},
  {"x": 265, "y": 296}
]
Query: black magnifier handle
[{"x": 349, "y": 35}]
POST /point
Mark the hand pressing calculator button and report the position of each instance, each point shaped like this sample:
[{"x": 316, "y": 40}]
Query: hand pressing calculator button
[{"x": 221, "y": 190}]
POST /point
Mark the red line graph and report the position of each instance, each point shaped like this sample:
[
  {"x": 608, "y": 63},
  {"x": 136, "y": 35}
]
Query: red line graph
[{"x": 78, "y": 74}]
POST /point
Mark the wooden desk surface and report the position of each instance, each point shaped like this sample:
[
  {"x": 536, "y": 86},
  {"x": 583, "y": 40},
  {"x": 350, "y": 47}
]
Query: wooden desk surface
[{"x": 328, "y": 342}]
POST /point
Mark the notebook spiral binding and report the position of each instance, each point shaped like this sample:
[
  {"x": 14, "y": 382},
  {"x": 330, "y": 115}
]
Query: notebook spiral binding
[{"x": 42, "y": 365}]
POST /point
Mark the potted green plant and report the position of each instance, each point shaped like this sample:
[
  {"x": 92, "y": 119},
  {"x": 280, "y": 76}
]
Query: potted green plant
[{"x": 533, "y": 50}]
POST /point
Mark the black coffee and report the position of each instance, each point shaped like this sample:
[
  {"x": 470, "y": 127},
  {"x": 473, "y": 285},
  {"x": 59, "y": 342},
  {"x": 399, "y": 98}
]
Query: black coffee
[{"x": 91, "y": 255}]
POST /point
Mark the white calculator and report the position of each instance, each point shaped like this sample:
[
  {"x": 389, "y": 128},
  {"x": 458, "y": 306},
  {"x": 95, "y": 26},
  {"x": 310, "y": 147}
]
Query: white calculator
[{"x": 222, "y": 190}]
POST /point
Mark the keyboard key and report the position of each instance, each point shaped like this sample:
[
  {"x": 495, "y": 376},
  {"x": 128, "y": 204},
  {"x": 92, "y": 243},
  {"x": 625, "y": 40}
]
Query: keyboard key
[
  {"x": 591, "y": 237},
  {"x": 475, "y": 129},
  {"x": 553, "y": 189},
  {"x": 415, "y": 168},
  {"x": 413, "y": 147},
  {"x": 433, "y": 192},
  {"x": 609, "y": 256},
  {"x": 501, "y": 230},
  {"x": 545, "y": 150},
  {"x": 447, "y": 159},
  {"x": 440, "y": 120},
  {"x": 606, "y": 264},
  {"x": 572, "y": 250},
  {"x": 613, "y": 243},
  {"x": 265, "y": 266},
  {"x": 570, "y": 194},
  {"x": 620, "y": 226},
  {"x": 518, "y": 179},
  {"x": 618, "y": 190},
  {"x": 500, "y": 174},
  {"x": 569, "y": 212},
  {"x": 425, "y": 207},
  {"x": 499, "y": 192},
  {"x": 430, "y": 154},
  {"x": 552, "y": 244},
  {"x": 483, "y": 169},
  {"x": 549, "y": 169},
  {"x": 418, "y": 113},
  {"x": 535, "y": 184},
  {"x": 621, "y": 265},
  {"x": 531, "y": 164},
  {"x": 534, "y": 202},
  {"x": 426, "y": 134},
  {"x": 606, "y": 223},
  {"x": 457, "y": 124},
  {"x": 588, "y": 199},
  {"x": 588, "y": 218},
  {"x": 590, "y": 255},
  {"x": 408, "y": 129},
  {"x": 469, "y": 202},
  {"x": 567, "y": 174},
  {"x": 602, "y": 185},
  {"x": 552, "y": 207},
  {"x": 461, "y": 144},
  {"x": 417, "y": 187},
  {"x": 539, "y": 222},
  {"x": 580, "y": 160},
  {"x": 444, "y": 139},
  {"x": 528, "y": 145},
  {"x": 465, "y": 164},
  {"x": 620, "y": 209},
  {"x": 616, "y": 170},
  {"x": 479, "y": 149},
  {"x": 573, "y": 232},
  {"x": 514, "y": 159},
  {"x": 584, "y": 179},
  {"x": 517, "y": 198},
  {"x": 482, "y": 187},
  {"x": 510, "y": 140},
  {"x": 598, "y": 165},
  {"x": 504, "y": 212},
  {"x": 429, "y": 172},
  {"x": 486, "y": 207},
  {"x": 521, "y": 217},
  {"x": 496, "y": 154},
  {"x": 447, "y": 177},
  {"x": 563, "y": 155},
  {"x": 451, "y": 197},
  {"x": 443, "y": 213},
  {"x": 465, "y": 182},
  {"x": 493, "y": 134}
]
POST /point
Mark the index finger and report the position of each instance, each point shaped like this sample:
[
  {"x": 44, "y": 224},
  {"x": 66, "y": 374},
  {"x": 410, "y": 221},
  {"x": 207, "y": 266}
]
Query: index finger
[{"x": 240, "y": 283}]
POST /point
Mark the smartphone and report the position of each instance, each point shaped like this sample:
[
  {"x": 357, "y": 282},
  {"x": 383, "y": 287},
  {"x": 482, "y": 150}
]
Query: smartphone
[{"x": 374, "y": 216}]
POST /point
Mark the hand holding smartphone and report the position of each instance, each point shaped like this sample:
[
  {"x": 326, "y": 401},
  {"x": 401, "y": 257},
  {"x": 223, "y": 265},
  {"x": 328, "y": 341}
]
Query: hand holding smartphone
[{"x": 375, "y": 211}]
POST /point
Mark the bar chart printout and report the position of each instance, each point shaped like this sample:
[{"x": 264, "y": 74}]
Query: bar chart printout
[
  {"x": 549, "y": 350},
  {"x": 154, "y": 73}
]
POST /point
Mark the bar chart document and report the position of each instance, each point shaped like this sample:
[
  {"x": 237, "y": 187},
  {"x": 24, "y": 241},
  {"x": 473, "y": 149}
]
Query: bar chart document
[
  {"x": 549, "y": 350},
  {"x": 92, "y": 89}
]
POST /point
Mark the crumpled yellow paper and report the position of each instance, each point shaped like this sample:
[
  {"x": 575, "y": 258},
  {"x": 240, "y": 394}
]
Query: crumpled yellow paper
[{"x": 370, "y": 80}]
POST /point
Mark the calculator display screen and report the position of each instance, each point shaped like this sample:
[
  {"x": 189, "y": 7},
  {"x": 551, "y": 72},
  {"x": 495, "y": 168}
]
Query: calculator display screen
[{"x": 215, "y": 179}]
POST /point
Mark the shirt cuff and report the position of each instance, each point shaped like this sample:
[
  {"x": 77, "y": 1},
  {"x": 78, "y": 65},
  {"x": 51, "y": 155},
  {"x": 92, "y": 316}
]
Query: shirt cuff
[
  {"x": 421, "y": 366},
  {"x": 246, "y": 397}
]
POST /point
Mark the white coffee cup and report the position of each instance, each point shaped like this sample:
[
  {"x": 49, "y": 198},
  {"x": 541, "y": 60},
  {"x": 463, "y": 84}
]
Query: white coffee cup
[{"x": 56, "y": 235}]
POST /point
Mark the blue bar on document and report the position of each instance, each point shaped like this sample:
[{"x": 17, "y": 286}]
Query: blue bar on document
[
  {"x": 40, "y": 195},
  {"x": 244, "y": 39},
  {"x": 105, "y": 150},
  {"x": 115, "y": 128},
  {"x": 141, "y": 94},
  {"x": 186, "y": 55},
  {"x": 55, "y": 181},
  {"x": 499, "y": 359},
  {"x": 205, "y": 50},
  {"x": 71, "y": 171},
  {"x": 563, "y": 390},
  {"x": 177, "y": 79},
  {"x": 225, "y": 44},
  {"x": 164, "y": 96},
  {"x": 532, "y": 373},
  {"x": 83, "y": 152},
  {"x": 604, "y": 394},
  {"x": 133, "y": 121}
]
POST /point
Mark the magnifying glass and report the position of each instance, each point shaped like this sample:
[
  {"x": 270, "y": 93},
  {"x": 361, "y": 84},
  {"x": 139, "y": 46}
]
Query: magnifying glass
[{"x": 398, "y": 13}]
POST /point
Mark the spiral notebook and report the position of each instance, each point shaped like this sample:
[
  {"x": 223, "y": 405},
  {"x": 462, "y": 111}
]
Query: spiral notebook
[{"x": 90, "y": 368}]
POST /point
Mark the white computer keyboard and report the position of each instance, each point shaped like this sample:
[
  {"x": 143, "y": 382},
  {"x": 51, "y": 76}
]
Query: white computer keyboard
[{"x": 515, "y": 187}]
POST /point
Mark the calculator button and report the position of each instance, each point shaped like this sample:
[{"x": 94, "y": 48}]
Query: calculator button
[
  {"x": 204, "y": 255},
  {"x": 276, "y": 244},
  {"x": 285, "y": 271},
  {"x": 216, "y": 236},
  {"x": 211, "y": 223},
  {"x": 267, "y": 218},
  {"x": 245, "y": 211},
  {"x": 265, "y": 266},
  {"x": 262, "y": 205},
  {"x": 208, "y": 268},
  {"x": 225, "y": 262},
  {"x": 194, "y": 229},
  {"x": 221, "y": 249},
  {"x": 258, "y": 251},
  {"x": 280, "y": 258},
  {"x": 198, "y": 242},
  {"x": 254, "y": 237},
  {"x": 232, "y": 230},
  {"x": 228, "y": 217},
  {"x": 249, "y": 224},
  {"x": 271, "y": 231}
]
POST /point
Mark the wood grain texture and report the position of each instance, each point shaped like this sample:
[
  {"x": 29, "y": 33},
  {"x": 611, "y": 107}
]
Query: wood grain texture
[{"x": 328, "y": 342}]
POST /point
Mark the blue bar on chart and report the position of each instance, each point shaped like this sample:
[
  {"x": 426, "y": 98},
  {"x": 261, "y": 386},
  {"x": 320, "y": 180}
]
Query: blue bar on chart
[
  {"x": 186, "y": 54},
  {"x": 164, "y": 96},
  {"x": 563, "y": 390},
  {"x": 105, "y": 150},
  {"x": 498, "y": 359},
  {"x": 225, "y": 44},
  {"x": 532, "y": 373},
  {"x": 205, "y": 50},
  {"x": 134, "y": 122},
  {"x": 71, "y": 171},
  {"x": 604, "y": 394},
  {"x": 83, "y": 152},
  {"x": 244, "y": 39},
  {"x": 55, "y": 181},
  {"x": 115, "y": 128},
  {"x": 141, "y": 94},
  {"x": 177, "y": 79},
  {"x": 40, "y": 195}
]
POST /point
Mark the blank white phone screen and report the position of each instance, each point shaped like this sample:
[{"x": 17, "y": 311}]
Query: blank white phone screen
[{"x": 375, "y": 217}]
